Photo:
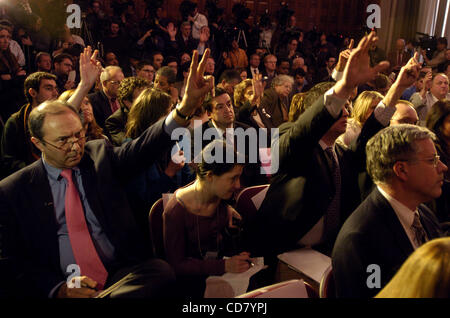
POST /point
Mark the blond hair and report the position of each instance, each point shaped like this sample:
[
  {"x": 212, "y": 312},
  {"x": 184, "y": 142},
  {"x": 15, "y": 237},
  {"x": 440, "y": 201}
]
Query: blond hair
[
  {"x": 425, "y": 274},
  {"x": 363, "y": 104}
]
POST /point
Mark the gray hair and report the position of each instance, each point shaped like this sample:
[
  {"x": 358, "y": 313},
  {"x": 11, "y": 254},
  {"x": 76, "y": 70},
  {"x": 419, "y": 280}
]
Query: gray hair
[
  {"x": 392, "y": 144},
  {"x": 281, "y": 79},
  {"x": 107, "y": 72},
  {"x": 50, "y": 107}
]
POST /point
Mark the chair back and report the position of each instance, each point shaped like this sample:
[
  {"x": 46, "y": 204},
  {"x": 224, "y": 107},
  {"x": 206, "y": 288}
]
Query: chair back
[
  {"x": 155, "y": 222},
  {"x": 249, "y": 200},
  {"x": 326, "y": 288},
  {"x": 294, "y": 288}
]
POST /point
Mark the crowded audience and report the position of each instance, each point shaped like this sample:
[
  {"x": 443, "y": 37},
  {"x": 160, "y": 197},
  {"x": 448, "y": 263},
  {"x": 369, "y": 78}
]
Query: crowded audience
[{"x": 99, "y": 123}]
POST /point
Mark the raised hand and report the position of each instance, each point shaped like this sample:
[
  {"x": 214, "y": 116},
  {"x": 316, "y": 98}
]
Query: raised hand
[
  {"x": 172, "y": 30},
  {"x": 358, "y": 70},
  {"x": 258, "y": 89},
  {"x": 410, "y": 72},
  {"x": 344, "y": 56},
  {"x": 197, "y": 85},
  {"x": 90, "y": 68}
]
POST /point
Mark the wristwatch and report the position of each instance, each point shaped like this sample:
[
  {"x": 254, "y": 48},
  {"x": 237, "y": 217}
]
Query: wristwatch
[{"x": 179, "y": 114}]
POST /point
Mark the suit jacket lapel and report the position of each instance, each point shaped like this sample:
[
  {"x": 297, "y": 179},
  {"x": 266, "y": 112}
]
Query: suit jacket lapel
[
  {"x": 393, "y": 223},
  {"x": 43, "y": 216}
]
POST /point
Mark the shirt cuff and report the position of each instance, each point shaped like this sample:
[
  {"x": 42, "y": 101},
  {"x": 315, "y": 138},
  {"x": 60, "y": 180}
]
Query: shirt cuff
[
  {"x": 170, "y": 124},
  {"x": 333, "y": 103},
  {"x": 384, "y": 114},
  {"x": 337, "y": 76}
]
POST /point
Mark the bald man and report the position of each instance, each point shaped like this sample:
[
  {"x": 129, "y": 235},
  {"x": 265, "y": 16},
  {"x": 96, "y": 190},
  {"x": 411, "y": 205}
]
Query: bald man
[
  {"x": 404, "y": 114},
  {"x": 399, "y": 56}
]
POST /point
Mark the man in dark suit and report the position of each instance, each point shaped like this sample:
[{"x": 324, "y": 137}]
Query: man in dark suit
[
  {"x": 104, "y": 102},
  {"x": 316, "y": 186},
  {"x": 40, "y": 234},
  {"x": 392, "y": 222},
  {"x": 399, "y": 56},
  {"x": 222, "y": 124},
  {"x": 253, "y": 65}
]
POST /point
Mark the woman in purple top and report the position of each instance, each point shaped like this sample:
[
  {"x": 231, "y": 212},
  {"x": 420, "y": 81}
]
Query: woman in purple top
[{"x": 195, "y": 220}]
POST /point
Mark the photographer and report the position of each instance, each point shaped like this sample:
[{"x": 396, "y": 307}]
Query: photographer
[{"x": 438, "y": 55}]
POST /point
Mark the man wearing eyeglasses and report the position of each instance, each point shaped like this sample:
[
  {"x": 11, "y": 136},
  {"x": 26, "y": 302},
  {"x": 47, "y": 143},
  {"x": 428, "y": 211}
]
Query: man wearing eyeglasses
[
  {"x": 393, "y": 221},
  {"x": 66, "y": 225},
  {"x": 104, "y": 102}
]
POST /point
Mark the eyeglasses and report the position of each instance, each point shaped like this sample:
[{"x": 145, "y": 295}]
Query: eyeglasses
[
  {"x": 431, "y": 161},
  {"x": 115, "y": 82},
  {"x": 65, "y": 144}
]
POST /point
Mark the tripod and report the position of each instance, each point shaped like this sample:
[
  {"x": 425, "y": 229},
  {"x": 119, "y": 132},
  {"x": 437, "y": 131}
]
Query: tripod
[{"x": 242, "y": 33}]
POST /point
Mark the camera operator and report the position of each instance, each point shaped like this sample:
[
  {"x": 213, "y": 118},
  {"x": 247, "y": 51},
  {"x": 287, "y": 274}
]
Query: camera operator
[{"x": 438, "y": 55}]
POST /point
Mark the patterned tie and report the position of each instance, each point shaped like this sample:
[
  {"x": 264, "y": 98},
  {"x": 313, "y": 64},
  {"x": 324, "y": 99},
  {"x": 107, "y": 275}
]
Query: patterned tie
[
  {"x": 420, "y": 234},
  {"x": 332, "y": 217},
  {"x": 114, "y": 105},
  {"x": 83, "y": 248}
]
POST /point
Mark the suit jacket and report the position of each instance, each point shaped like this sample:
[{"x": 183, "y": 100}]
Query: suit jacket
[
  {"x": 29, "y": 254},
  {"x": 392, "y": 58},
  {"x": 301, "y": 191},
  {"x": 101, "y": 107},
  {"x": 373, "y": 234},
  {"x": 271, "y": 105},
  {"x": 115, "y": 126},
  {"x": 251, "y": 174}
]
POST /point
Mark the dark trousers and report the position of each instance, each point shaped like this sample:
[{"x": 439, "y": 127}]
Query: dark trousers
[{"x": 153, "y": 278}]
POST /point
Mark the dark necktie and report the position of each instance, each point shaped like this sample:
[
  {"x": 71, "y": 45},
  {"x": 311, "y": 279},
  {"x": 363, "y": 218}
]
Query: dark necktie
[
  {"x": 332, "y": 219},
  {"x": 83, "y": 248},
  {"x": 420, "y": 234},
  {"x": 114, "y": 105}
]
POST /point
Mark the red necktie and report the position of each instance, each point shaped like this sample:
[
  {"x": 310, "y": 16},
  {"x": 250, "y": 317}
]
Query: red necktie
[
  {"x": 83, "y": 248},
  {"x": 114, "y": 105}
]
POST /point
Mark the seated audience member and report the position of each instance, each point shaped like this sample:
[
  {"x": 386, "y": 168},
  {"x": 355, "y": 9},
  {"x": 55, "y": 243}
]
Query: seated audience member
[
  {"x": 172, "y": 62},
  {"x": 425, "y": 273},
  {"x": 302, "y": 101},
  {"x": 12, "y": 75},
  {"x": 210, "y": 67},
  {"x": 228, "y": 80},
  {"x": 196, "y": 219},
  {"x": 90, "y": 126},
  {"x": 300, "y": 82},
  {"x": 283, "y": 66},
  {"x": 235, "y": 57},
  {"x": 269, "y": 69},
  {"x": 104, "y": 102},
  {"x": 416, "y": 87},
  {"x": 38, "y": 242},
  {"x": 274, "y": 103},
  {"x": 242, "y": 73},
  {"x": 15, "y": 47},
  {"x": 111, "y": 59},
  {"x": 392, "y": 221},
  {"x": 62, "y": 65},
  {"x": 129, "y": 90},
  {"x": 43, "y": 62},
  {"x": 362, "y": 109},
  {"x": 184, "y": 38},
  {"x": 398, "y": 57},
  {"x": 438, "y": 121},
  {"x": 184, "y": 70},
  {"x": 425, "y": 99},
  {"x": 381, "y": 84},
  {"x": 404, "y": 114},
  {"x": 222, "y": 125},
  {"x": 157, "y": 59},
  {"x": 324, "y": 73},
  {"x": 164, "y": 80},
  {"x": 253, "y": 67},
  {"x": 316, "y": 186},
  {"x": 16, "y": 148},
  {"x": 247, "y": 98},
  {"x": 163, "y": 176},
  {"x": 145, "y": 70}
]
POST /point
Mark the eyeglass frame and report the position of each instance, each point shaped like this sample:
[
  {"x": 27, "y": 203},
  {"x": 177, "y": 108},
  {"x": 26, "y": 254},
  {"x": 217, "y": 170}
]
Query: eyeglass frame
[
  {"x": 67, "y": 142},
  {"x": 436, "y": 159}
]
